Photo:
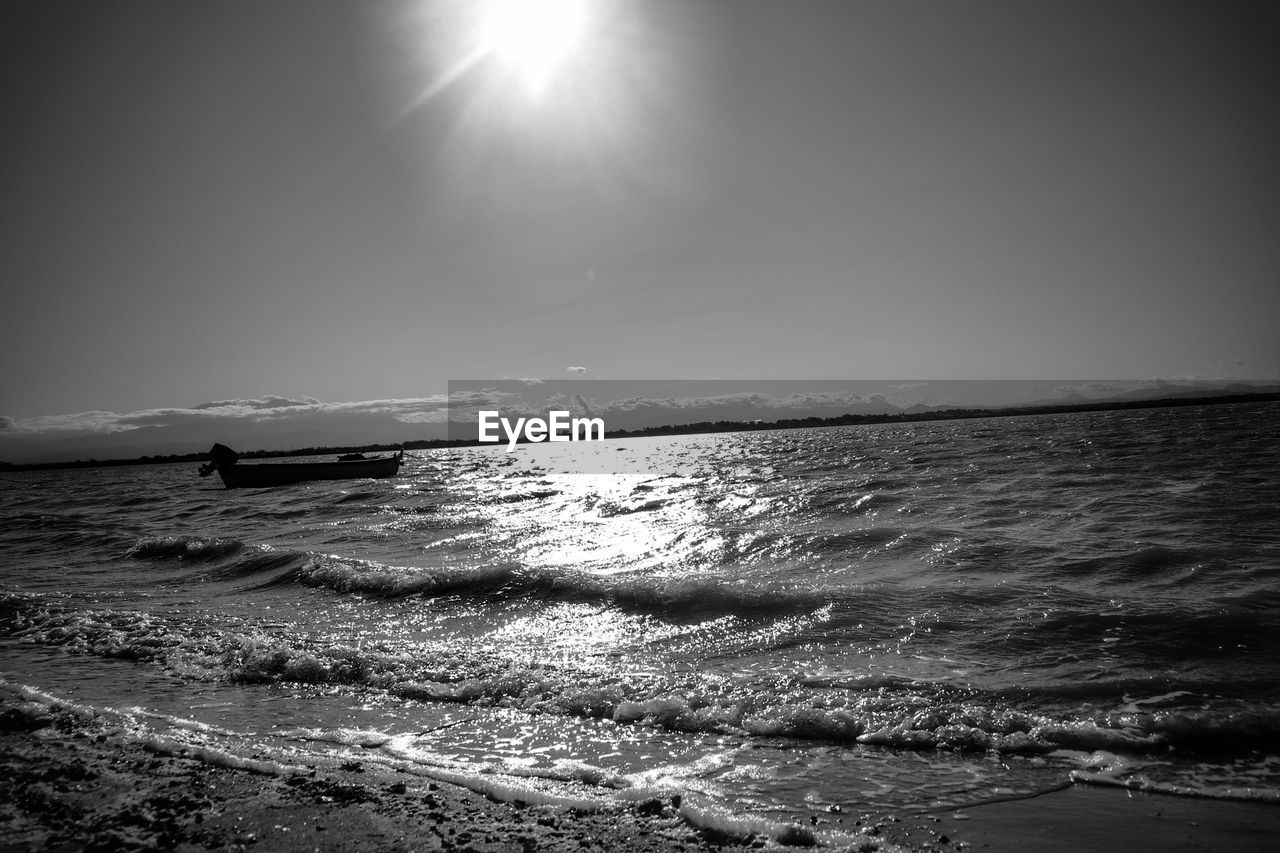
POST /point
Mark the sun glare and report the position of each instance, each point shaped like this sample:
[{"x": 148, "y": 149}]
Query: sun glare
[{"x": 533, "y": 37}]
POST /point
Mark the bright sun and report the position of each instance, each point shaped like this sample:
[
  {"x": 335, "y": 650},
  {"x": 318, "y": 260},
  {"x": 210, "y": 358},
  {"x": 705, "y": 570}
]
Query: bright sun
[{"x": 533, "y": 36}]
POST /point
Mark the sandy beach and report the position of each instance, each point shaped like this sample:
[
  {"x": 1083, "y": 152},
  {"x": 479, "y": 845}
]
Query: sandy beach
[{"x": 69, "y": 781}]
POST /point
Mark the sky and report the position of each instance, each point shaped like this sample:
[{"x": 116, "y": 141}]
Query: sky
[{"x": 348, "y": 202}]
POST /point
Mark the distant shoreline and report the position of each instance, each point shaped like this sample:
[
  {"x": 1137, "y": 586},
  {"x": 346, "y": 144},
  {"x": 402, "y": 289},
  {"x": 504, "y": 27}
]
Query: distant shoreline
[{"x": 693, "y": 429}]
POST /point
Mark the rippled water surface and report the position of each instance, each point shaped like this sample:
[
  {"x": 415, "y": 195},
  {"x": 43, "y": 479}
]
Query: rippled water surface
[{"x": 877, "y": 618}]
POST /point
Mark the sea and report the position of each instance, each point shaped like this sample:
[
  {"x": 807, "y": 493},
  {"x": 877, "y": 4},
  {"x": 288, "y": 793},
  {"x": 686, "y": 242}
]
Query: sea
[{"x": 779, "y": 627}]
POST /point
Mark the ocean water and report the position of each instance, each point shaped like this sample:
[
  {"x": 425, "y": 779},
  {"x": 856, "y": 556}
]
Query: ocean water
[{"x": 830, "y": 624}]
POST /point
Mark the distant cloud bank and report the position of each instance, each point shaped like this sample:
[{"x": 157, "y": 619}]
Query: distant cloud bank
[
  {"x": 262, "y": 410},
  {"x": 275, "y": 422},
  {"x": 272, "y": 422},
  {"x": 268, "y": 402}
]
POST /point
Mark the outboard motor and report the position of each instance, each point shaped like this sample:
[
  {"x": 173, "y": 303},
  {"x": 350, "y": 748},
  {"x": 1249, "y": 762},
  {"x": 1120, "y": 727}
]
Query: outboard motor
[{"x": 221, "y": 456}]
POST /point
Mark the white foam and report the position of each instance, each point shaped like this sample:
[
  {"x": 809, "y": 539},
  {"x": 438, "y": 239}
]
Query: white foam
[
  {"x": 181, "y": 722},
  {"x": 217, "y": 757},
  {"x": 344, "y": 737},
  {"x": 1142, "y": 783},
  {"x": 708, "y": 816},
  {"x": 571, "y": 770}
]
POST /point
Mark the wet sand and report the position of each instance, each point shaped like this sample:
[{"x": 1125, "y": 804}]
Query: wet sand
[
  {"x": 70, "y": 782},
  {"x": 61, "y": 792},
  {"x": 1111, "y": 820}
]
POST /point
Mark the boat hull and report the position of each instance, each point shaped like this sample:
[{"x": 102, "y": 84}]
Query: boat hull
[{"x": 265, "y": 474}]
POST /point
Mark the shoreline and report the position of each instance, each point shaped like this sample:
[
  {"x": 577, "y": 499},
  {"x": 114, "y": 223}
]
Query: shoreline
[
  {"x": 74, "y": 781},
  {"x": 69, "y": 781}
]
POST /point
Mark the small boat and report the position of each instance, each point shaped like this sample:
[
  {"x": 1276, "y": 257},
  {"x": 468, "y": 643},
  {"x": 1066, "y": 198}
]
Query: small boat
[{"x": 260, "y": 475}]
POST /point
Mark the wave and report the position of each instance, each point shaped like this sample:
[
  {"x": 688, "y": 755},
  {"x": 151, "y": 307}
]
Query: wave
[
  {"x": 223, "y": 559},
  {"x": 563, "y": 783},
  {"x": 1145, "y": 563},
  {"x": 1154, "y": 632},
  {"x": 261, "y": 561},
  {"x": 357, "y": 497},
  {"x": 642, "y": 592},
  {"x": 232, "y": 559},
  {"x": 1205, "y": 780},
  {"x": 191, "y": 548},
  {"x": 894, "y": 714}
]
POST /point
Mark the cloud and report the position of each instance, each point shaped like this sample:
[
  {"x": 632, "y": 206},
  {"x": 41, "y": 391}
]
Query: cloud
[
  {"x": 271, "y": 422},
  {"x": 409, "y": 410},
  {"x": 268, "y": 402},
  {"x": 265, "y": 410},
  {"x": 575, "y": 369},
  {"x": 6, "y": 422},
  {"x": 79, "y": 422}
]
